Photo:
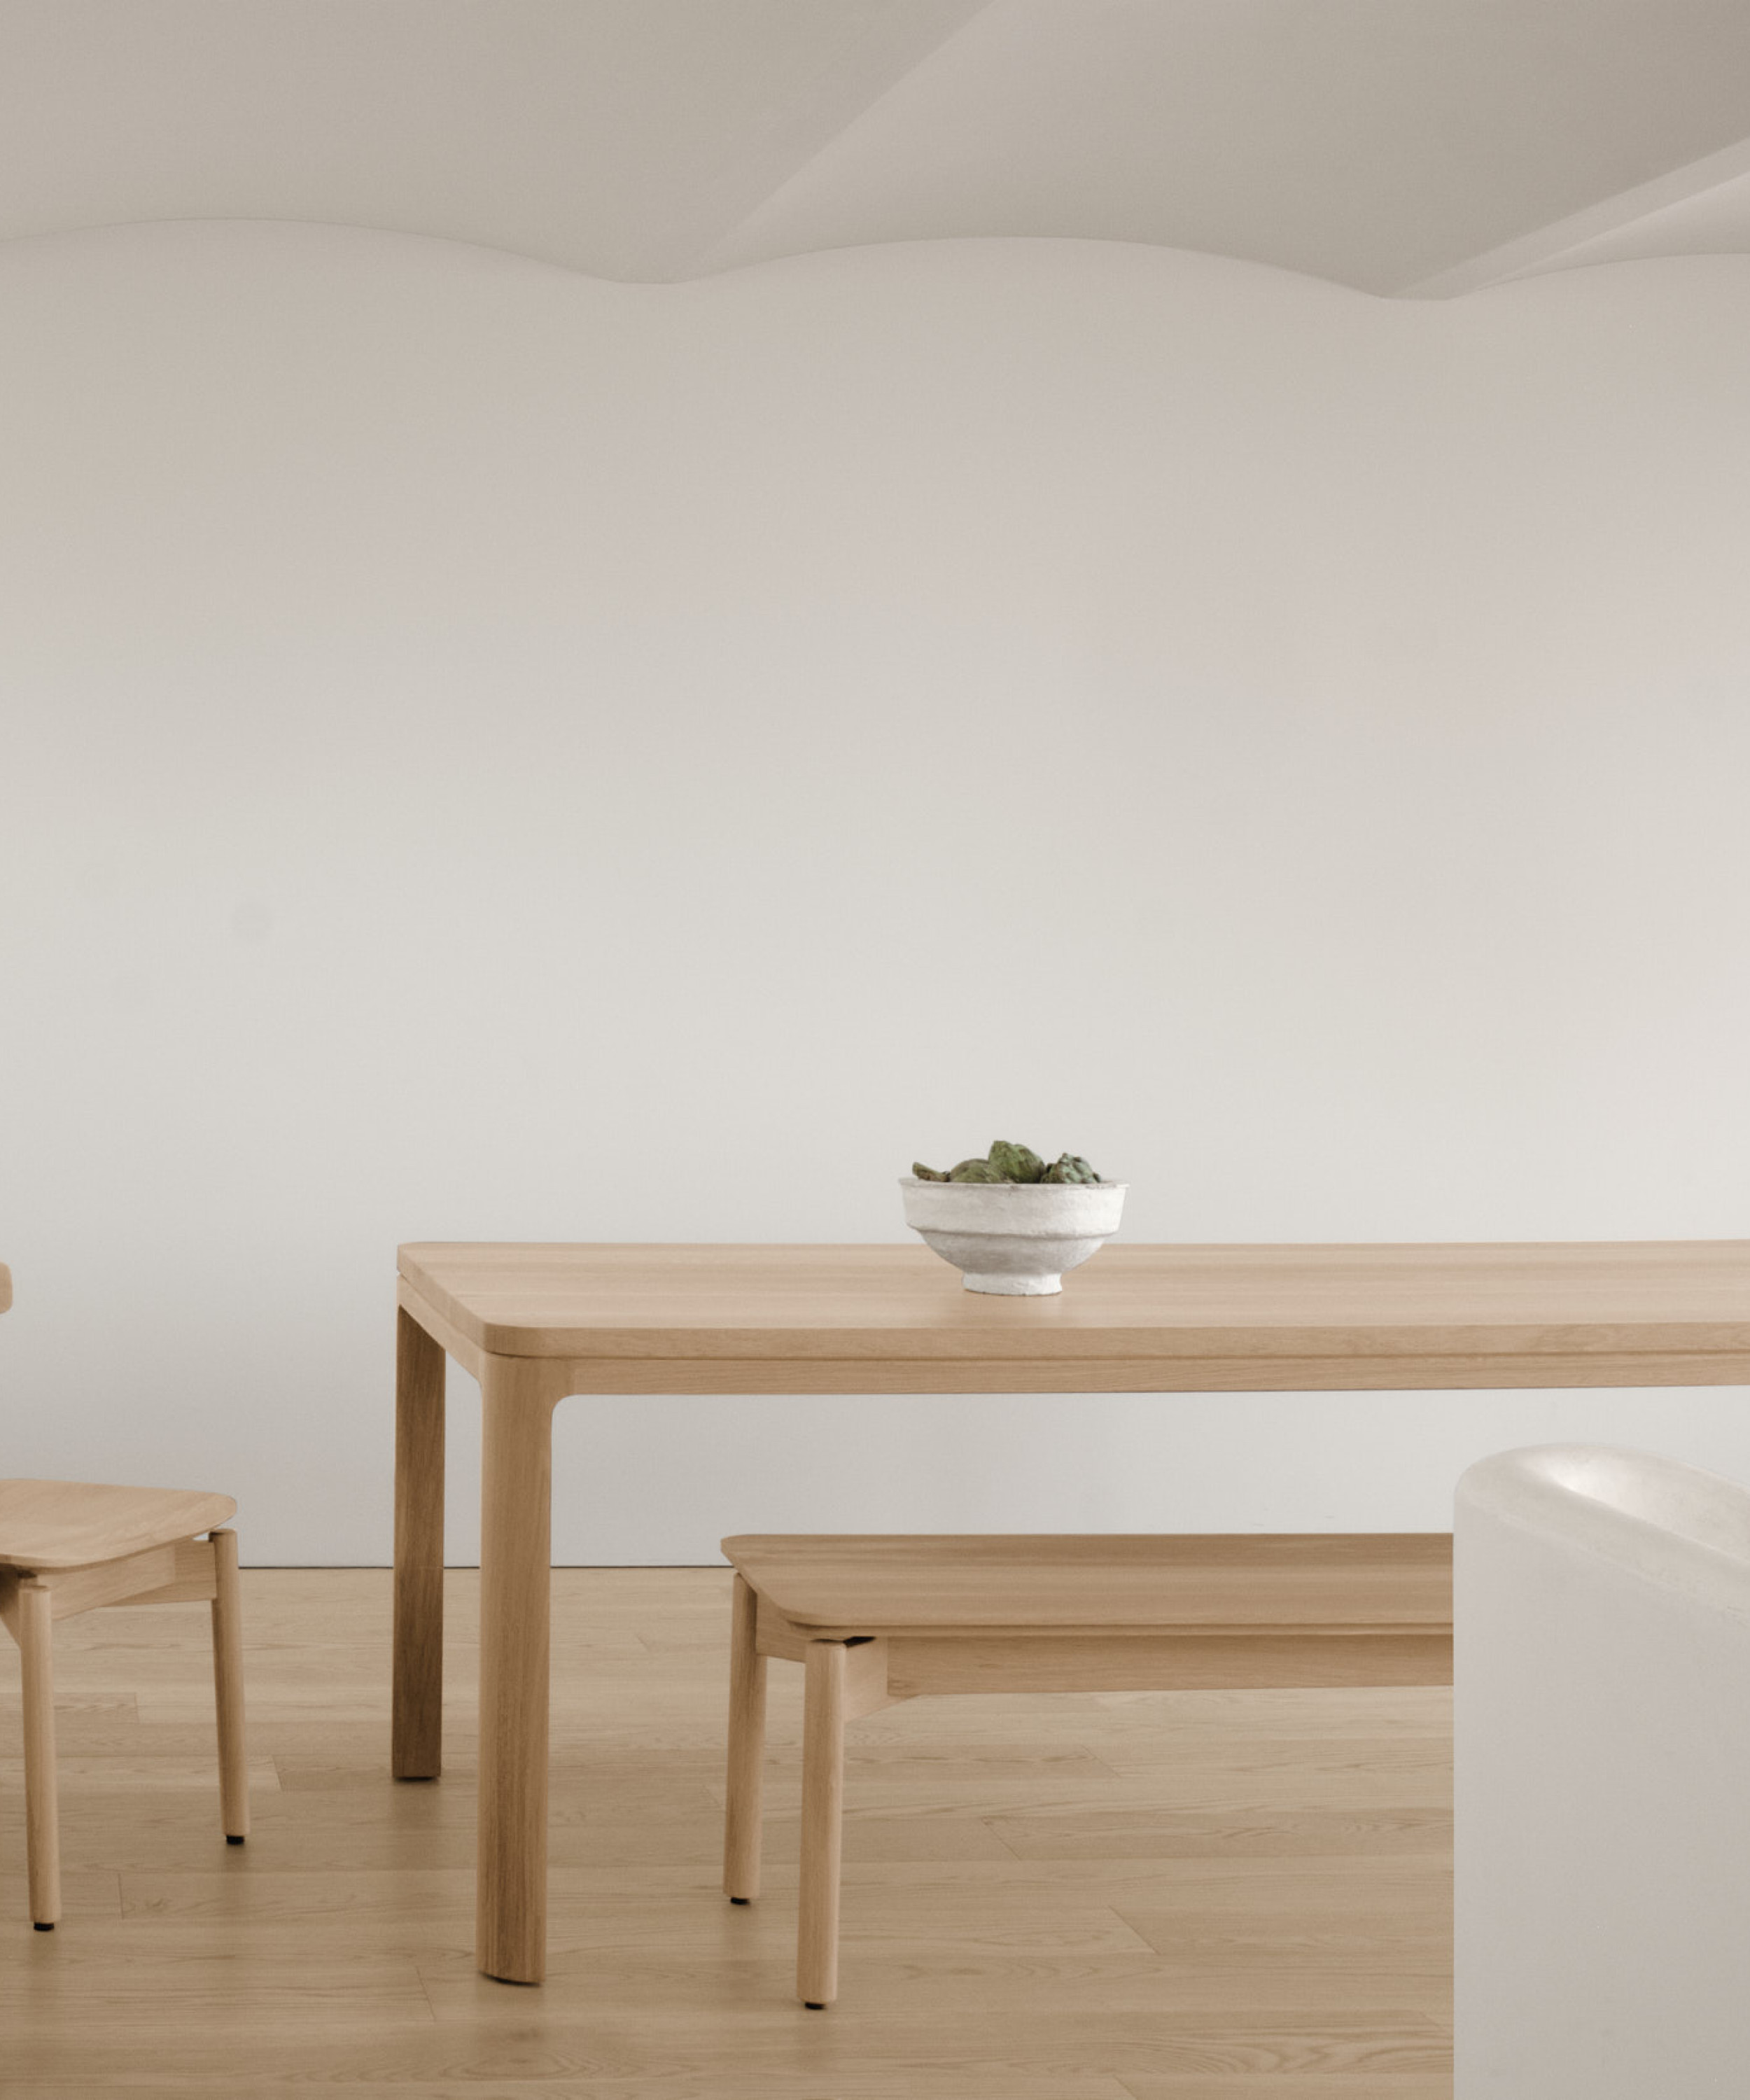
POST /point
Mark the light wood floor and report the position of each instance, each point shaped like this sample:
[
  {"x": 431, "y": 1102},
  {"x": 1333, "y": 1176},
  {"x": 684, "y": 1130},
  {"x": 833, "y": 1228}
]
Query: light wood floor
[{"x": 1191, "y": 1896}]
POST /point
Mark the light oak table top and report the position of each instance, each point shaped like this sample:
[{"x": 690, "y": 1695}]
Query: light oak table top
[{"x": 826, "y": 1319}]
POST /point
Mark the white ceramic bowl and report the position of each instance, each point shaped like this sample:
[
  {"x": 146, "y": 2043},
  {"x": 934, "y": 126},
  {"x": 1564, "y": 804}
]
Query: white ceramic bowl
[{"x": 1013, "y": 1237}]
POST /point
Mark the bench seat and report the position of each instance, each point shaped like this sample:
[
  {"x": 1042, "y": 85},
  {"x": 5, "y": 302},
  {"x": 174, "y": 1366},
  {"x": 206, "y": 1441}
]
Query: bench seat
[{"x": 874, "y": 1618}]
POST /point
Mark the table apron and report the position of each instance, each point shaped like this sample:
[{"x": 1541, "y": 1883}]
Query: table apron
[{"x": 560, "y": 1377}]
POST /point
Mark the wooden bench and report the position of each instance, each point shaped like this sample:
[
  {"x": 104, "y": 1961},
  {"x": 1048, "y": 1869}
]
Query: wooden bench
[{"x": 873, "y": 1620}]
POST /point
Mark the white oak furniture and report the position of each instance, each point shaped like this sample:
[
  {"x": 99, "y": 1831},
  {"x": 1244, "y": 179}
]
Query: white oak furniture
[
  {"x": 1601, "y": 1731},
  {"x": 534, "y": 1323},
  {"x": 1055, "y": 2000},
  {"x": 875, "y": 1619},
  {"x": 68, "y": 1547}
]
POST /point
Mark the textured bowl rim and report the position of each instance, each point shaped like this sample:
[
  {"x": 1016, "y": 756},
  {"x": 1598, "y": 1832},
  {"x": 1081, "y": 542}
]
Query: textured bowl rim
[{"x": 1047, "y": 1188}]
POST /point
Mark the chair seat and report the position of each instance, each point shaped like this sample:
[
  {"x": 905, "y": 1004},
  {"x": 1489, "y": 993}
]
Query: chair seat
[
  {"x": 71, "y": 1524},
  {"x": 833, "y": 1587}
]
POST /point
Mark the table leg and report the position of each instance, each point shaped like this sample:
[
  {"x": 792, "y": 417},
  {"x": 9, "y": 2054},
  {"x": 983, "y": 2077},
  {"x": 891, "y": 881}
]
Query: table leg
[
  {"x": 516, "y": 1582},
  {"x": 418, "y": 1729}
]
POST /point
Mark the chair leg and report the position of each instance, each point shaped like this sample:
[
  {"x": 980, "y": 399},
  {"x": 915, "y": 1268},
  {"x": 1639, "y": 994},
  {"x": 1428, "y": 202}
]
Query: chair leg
[
  {"x": 822, "y": 1824},
  {"x": 42, "y": 1839},
  {"x": 228, "y": 1687},
  {"x": 741, "y": 1820}
]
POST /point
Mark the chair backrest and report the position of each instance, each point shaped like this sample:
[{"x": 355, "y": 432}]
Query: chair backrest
[{"x": 1602, "y": 1727}]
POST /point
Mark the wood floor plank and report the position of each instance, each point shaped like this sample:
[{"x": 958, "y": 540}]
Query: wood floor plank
[
  {"x": 1271, "y": 2087},
  {"x": 86, "y": 1892},
  {"x": 126, "y": 1773},
  {"x": 510, "y": 2074},
  {"x": 1053, "y": 1831},
  {"x": 1066, "y": 1786}
]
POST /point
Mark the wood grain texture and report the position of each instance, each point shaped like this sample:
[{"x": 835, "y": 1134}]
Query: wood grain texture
[
  {"x": 179, "y": 1574},
  {"x": 743, "y": 1785},
  {"x": 36, "y": 1646},
  {"x": 227, "y": 1685},
  {"x": 1158, "y": 1662},
  {"x": 50, "y": 1524},
  {"x": 158, "y": 1569},
  {"x": 1212, "y": 1905},
  {"x": 822, "y": 1824},
  {"x": 417, "y": 1731},
  {"x": 516, "y": 1528},
  {"x": 833, "y": 1585},
  {"x": 1164, "y": 1318}
]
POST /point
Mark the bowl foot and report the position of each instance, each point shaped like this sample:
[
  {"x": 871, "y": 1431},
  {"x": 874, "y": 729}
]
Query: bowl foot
[{"x": 1008, "y": 1285}]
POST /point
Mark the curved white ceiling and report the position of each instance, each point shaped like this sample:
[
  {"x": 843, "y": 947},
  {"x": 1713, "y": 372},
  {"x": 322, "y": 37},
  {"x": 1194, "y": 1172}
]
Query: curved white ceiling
[{"x": 1399, "y": 146}]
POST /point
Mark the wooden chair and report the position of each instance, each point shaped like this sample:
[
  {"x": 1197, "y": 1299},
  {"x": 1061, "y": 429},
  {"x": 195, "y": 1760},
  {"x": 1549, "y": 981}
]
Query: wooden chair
[
  {"x": 66, "y": 1547},
  {"x": 873, "y": 1620}
]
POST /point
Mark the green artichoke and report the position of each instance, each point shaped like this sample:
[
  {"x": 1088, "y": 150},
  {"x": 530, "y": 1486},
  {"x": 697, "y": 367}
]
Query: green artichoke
[
  {"x": 1015, "y": 1163},
  {"x": 1009, "y": 1164}
]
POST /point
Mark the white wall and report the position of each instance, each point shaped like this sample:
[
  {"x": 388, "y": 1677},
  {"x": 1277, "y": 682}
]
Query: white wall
[{"x": 490, "y": 753}]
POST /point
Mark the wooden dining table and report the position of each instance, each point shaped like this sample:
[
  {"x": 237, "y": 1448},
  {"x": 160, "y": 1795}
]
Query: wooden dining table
[{"x": 534, "y": 1323}]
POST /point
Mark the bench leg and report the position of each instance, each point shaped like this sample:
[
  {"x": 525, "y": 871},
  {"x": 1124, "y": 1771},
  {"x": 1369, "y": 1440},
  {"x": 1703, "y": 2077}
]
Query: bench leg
[
  {"x": 42, "y": 1837},
  {"x": 823, "y": 1824},
  {"x": 741, "y": 1821},
  {"x": 228, "y": 1687}
]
